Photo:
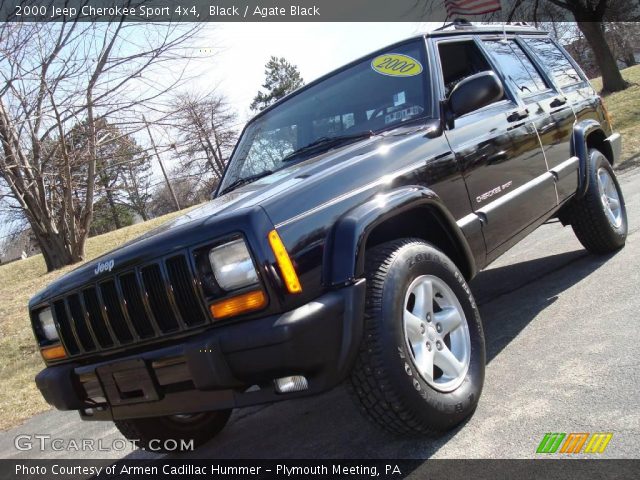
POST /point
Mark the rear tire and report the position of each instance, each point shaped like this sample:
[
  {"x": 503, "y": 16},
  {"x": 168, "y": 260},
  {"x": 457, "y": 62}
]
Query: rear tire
[
  {"x": 599, "y": 218},
  {"x": 410, "y": 333},
  {"x": 158, "y": 434}
]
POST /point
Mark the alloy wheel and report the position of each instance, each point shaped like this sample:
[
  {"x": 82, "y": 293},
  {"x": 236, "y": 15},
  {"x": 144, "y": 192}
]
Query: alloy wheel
[{"x": 436, "y": 333}]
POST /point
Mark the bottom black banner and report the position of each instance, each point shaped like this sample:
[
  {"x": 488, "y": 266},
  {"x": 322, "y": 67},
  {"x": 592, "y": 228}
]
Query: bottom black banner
[{"x": 581, "y": 469}]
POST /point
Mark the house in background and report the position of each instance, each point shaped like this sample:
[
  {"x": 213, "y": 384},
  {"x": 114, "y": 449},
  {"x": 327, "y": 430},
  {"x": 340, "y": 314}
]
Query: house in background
[{"x": 18, "y": 246}]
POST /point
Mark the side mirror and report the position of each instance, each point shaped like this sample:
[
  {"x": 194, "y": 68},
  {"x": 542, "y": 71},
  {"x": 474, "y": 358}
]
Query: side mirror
[{"x": 475, "y": 92}]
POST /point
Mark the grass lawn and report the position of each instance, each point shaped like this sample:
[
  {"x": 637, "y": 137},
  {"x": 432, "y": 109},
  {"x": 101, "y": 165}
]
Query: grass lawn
[
  {"x": 19, "y": 358},
  {"x": 624, "y": 108}
]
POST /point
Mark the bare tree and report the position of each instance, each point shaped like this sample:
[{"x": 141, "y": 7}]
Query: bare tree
[
  {"x": 123, "y": 172},
  {"x": 57, "y": 75},
  {"x": 624, "y": 38},
  {"x": 206, "y": 133},
  {"x": 135, "y": 187},
  {"x": 186, "y": 187}
]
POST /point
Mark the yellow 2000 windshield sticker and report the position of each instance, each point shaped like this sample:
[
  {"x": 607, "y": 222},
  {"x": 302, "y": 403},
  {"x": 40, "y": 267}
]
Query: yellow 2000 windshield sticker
[{"x": 396, "y": 65}]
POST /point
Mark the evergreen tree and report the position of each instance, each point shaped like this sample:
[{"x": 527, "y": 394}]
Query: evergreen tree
[{"x": 281, "y": 78}]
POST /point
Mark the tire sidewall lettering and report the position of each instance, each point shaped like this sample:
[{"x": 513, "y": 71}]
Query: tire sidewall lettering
[{"x": 415, "y": 265}]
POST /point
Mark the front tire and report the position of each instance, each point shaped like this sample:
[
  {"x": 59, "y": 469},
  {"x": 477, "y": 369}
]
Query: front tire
[
  {"x": 420, "y": 368},
  {"x": 599, "y": 218},
  {"x": 161, "y": 434}
]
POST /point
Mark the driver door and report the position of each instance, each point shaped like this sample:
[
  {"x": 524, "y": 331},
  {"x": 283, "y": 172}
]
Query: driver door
[{"x": 497, "y": 149}]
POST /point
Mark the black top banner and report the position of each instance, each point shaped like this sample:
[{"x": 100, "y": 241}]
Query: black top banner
[{"x": 301, "y": 10}]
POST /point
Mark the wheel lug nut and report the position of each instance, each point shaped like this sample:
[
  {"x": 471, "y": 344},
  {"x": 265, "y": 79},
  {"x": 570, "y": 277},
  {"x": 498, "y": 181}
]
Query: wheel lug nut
[
  {"x": 438, "y": 327},
  {"x": 428, "y": 346},
  {"x": 422, "y": 328},
  {"x": 428, "y": 317},
  {"x": 439, "y": 345}
]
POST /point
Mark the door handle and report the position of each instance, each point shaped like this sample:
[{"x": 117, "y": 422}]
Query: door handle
[
  {"x": 498, "y": 157},
  {"x": 547, "y": 128},
  {"x": 558, "y": 102},
  {"x": 518, "y": 115}
]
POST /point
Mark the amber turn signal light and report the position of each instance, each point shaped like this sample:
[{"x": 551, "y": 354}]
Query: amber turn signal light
[
  {"x": 53, "y": 353},
  {"x": 244, "y": 303},
  {"x": 284, "y": 262}
]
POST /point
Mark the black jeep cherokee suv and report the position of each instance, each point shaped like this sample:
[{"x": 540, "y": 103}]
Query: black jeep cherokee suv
[{"x": 339, "y": 244}]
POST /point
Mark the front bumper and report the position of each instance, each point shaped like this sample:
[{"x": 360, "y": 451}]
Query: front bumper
[{"x": 226, "y": 367}]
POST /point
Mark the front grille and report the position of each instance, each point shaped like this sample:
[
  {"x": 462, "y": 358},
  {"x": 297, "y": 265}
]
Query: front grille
[
  {"x": 135, "y": 305},
  {"x": 114, "y": 312},
  {"x": 79, "y": 320},
  {"x": 158, "y": 298},
  {"x": 66, "y": 331},
  {"x": 140, "y": 304},
  {"x": 96, "y": 318},
  {"x": 182, "y": 283}
]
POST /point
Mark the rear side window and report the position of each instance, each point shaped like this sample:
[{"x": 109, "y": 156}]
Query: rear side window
[
  {"x": 557, "y": 63},
  {"x": 516, "y": 66}
]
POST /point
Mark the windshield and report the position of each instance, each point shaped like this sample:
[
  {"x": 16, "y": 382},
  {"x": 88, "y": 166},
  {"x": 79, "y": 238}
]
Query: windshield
[{"x": 378, "y": 93}]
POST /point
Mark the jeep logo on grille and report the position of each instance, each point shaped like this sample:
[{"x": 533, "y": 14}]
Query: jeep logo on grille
[{"x": 105, "y": 266}]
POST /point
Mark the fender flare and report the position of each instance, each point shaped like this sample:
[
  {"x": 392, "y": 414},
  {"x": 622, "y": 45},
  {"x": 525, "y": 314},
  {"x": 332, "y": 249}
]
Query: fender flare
[
  {"x": 352, "y": 230},
  {"x": 579, "y": 149}
]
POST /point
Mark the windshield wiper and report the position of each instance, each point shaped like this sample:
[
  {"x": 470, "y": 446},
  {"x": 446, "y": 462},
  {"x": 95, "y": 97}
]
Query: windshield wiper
[
  {"x": 326, "y": 142},
  {"x": 244, "y": 180},
  {"x": 322, "y": 142}
]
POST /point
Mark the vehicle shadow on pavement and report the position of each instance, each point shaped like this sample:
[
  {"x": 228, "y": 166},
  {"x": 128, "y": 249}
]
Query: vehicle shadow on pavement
[
  {"x": 329, "y": 426},
  {"x": 511, "y": 296}
]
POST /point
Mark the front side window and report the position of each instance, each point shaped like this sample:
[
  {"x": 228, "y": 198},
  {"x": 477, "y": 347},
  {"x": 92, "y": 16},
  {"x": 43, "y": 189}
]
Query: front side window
[
  {"x": 558, "y": 64},
  {"x": 378, "y": 93},
  {"x": 516, "y": 66},
  {"x": 459, "y": 60}
]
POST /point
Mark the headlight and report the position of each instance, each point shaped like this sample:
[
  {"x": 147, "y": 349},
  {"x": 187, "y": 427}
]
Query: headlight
[
  {"x": 232, "y": 265},
  {"x": 47, "y": 325}
]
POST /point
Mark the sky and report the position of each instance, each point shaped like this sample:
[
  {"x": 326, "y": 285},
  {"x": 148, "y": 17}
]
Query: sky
[{"x": 242, "y": 49}]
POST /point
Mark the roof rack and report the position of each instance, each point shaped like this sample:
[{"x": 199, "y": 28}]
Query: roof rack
[
  {"x": 464, "y": 24},
  {"x": 458, "y": 23}
]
